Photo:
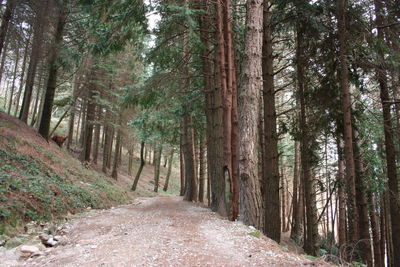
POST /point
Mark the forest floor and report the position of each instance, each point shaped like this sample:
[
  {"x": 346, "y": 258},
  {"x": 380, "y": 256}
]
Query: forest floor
[{"x": 158, "y": 231}]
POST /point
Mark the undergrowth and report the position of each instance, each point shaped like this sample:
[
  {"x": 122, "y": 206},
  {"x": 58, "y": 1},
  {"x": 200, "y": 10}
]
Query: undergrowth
[{"x": 30, "y": 189}]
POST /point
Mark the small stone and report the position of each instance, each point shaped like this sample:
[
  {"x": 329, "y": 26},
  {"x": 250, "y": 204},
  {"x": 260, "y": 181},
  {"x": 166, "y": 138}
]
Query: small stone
[
  {"x": 37, "y": 254},
  {"x": 29, "y": 249},
  {"x": 252, "y": 227},
  {"x": 89, "y": 208},
  {"x": 51, "y": 242},
  {"x": 44, "y": 237},
  {"x": 57, "y": 238}
]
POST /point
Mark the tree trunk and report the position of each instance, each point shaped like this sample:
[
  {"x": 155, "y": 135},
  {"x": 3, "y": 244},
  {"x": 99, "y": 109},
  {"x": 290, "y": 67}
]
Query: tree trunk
[
  {"x": 297, "y": 217},
  {"x": 13, "y": 82},
  {"x": 342, "y": 230},
  {"x": 97, "y": 134},
  {"x": 393, "y": 183},
  {"x": 130, "y": 159},
  {"x": 272, "y": 225},
  {"x": 202, "y": 171},
  {"x": 188, "y": 152},
  {"x": 44, "y": 126},
  {"x": 5, "y": 21},
  {"x": 378, "y": 256},
  {"x": 364, "y": 243},
  {"x": 348, "y": 135},
  {"x": 250, "y": 198},
  {"x": 311, "y": 232},
  {"x": 157, "y": 165},
  {"x": 34, "y": 59},
  {"x": 142, "y": 163},
  {"x": 182, "y": 168},
  {"x": 90, "y": 116},
  {"x": 114, "y": 173},
  {"x": 170, "y": 161},
  {"x": 106, "y": 140},
  {"x": 21, "y": 80}
]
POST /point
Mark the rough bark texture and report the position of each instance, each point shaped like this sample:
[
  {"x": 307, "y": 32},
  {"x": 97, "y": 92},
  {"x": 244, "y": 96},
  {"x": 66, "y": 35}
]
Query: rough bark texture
[
  {"x": 188, "y": 151},
  {"x": 272, "y": 221},
  {"x": 348, "y": 135},
  {"x": 249, "y": 90},
  {"x": 45, "y": 118},
  {"x": 391, "y": 169}
]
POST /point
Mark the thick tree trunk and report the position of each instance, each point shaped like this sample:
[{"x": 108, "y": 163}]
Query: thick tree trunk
[
  {"x": 251, "y": 86},
  {"x": 170, "y": 162},
  {"x": 272, "y": 225},
  {"x": 44, "y": 126},
  {"x": 348, "y": 135},
  {"x": 188, "y": 152},
  {"x": 157, "y": 165},
  {"x": 130, "y": 159},
  {"x": 393, "y": 183},
  {"x": 142, "y": 163}
]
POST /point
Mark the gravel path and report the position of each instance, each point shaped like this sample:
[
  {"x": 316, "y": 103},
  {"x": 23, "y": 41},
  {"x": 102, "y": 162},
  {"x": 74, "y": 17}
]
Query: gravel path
[{"x": 162, "y": 231}]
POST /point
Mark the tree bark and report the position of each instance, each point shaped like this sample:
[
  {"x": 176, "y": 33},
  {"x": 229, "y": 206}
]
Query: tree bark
[
  {"x": 142, "y": 163},
  {"x": 391, "y": 168},
  {"x": 157, "y": 165},
  {"x": 188, "y": 152},
  {"x": 250, "y": 198},
  {"x": 272, "y": 225},
  {"x": 114, "y": 173},
  {"x": 311, "y": 227},
  {"x": 170, "y": 162},
  {"x": 202, "y": 173},
  {"x": 44, "y": 126},
  {"x": 348, "y": 135},
  {"x": 13, "y": 82},
  {"x": 34, "y": 60},
  {"x": 8, "y": 13}
]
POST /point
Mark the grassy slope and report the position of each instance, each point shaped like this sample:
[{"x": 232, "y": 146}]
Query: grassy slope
[{"x": 41, "y": 182}]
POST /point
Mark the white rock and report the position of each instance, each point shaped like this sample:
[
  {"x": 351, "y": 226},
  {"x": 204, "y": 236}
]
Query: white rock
[
  {"x": 29, "y": 249},
  {"x": 51, "y": 242}
]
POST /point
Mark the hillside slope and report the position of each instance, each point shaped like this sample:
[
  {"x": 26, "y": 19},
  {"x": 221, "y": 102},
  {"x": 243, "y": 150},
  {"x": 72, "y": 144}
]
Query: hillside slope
[{"x": 40, "y": 181}]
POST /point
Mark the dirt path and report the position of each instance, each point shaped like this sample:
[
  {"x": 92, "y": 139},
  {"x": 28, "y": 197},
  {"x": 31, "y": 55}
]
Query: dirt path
[{"x": 162, "y": 231}]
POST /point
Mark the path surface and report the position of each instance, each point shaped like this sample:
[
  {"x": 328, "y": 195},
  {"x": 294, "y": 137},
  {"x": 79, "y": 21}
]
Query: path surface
[{"x": 162, "y": 231}]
